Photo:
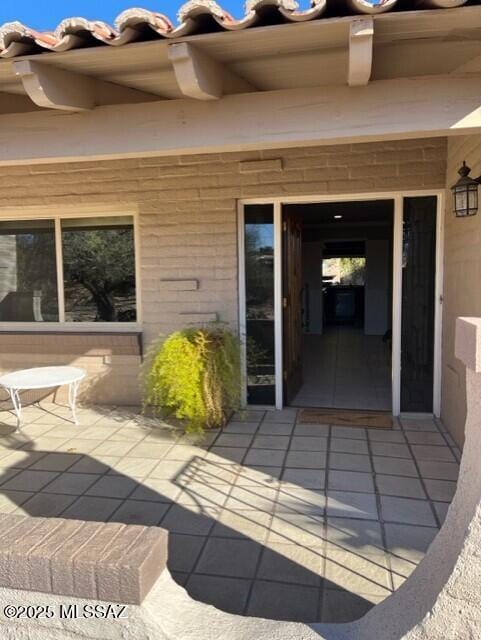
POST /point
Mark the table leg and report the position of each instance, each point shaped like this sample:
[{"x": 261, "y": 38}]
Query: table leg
[
  {"x": 17, "y": 405},
  {"x": 72, "y": 399}
]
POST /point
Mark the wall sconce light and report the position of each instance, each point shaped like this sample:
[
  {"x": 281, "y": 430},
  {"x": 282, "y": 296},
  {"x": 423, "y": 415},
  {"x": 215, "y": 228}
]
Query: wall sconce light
[{"x": 465, "y": 193}]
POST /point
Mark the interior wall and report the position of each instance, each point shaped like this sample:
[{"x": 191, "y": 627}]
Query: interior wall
[
  {"x": 378, "y": 240},
  {"x": 462, "y": 282},
  {"x": 311, "y": 276}
]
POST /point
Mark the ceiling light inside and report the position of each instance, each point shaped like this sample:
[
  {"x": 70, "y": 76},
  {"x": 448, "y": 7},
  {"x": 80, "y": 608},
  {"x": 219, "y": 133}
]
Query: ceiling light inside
[{"x": 338, "y": 217}]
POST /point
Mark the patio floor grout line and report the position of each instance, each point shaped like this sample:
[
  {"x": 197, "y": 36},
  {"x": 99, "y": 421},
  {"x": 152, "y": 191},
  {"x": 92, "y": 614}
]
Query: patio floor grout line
[
  {"x": 430, "y": 502},
  {"x": 262, "y": 545},
  {"x": 380, "y": 515},
  {"x": 443, "y": 435},
  {"x": 397, "y": 475},
  {"x": 173, "y": 502},
  {"x": 101, "y": 475},
  {"x": 326, "y": 488},
  {"x": 208, "y": 535}
]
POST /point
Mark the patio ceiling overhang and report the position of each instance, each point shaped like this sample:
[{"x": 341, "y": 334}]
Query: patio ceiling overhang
[
  {"x": 403, "y": 74},
  {"x": 350, "y": 50}
]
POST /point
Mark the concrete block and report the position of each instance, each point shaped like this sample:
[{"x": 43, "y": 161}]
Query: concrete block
[
  {"x": 19, "y": 568},
  {"x": 109, "y": 568},
  {"x": 168, "y": 284},
  {"x": 61, "y": 563},
  {"x": 39, "y": 559},
  {"x": 11, "y": 536},
  {"x": 198, "y": 318},
  {"x": 249, "y": 166},
  {"x": 85, "y": 562},
  {"x": 107, "y": 561},
  {"x": 142, "y": 564}
]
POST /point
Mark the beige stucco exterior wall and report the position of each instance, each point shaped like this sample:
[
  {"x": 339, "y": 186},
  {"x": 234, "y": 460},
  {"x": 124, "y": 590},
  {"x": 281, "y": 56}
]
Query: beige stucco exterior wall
[
  {"x": 462, "y": 282},
  {"x": 187, "y": 209}
]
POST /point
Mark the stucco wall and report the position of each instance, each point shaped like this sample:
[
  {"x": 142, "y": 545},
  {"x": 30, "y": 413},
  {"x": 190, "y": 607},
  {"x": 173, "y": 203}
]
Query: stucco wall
[
  {"x": 462, "y": 282},
  {"x": 187, "y": 209}
]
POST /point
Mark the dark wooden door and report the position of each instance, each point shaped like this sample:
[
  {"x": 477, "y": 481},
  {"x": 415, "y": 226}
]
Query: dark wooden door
[
  {"x": 292, "y": 303},
  {"x": 418, "y": 304}
]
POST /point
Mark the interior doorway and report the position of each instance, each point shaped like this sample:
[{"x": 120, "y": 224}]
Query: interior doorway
[
  {"x": 337, "y": 304},
  {"x": 347, "y": 294}
]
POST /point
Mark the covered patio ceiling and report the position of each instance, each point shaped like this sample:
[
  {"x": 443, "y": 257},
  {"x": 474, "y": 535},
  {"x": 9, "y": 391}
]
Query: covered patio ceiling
[{"x": 334, "y": 52}]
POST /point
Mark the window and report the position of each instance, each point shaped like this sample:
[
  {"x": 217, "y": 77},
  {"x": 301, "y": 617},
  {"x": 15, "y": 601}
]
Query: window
[
  {"x": 259, "y": 276},
  {"x": 344, "y": 271},
  {"x": 68, "y": 270}
]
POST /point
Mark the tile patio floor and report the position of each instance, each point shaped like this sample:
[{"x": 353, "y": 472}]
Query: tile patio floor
[
  {"x": 269, "y": 517},
  {"x": 344, "y": 368}
]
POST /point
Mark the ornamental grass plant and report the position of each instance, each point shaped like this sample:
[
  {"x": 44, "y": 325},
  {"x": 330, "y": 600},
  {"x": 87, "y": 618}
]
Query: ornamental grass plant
[{"x": 194, "y": 375}]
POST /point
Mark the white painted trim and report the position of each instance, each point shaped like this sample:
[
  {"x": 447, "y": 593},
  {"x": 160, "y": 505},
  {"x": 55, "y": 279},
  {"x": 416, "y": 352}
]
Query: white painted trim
[
  {"x": 138, "y": 272},
  {"x": 199, "y": 76},
  {"x": 278, "y": 331},
  {"x": 397, "y": 197},
  {"x": 343, "y": 197},
  {"x": 70, "y": 327},
  {"x": 59, "y": 265},
  {"x": 361, "y": 36},
  {"x": 79, "y": 210},
  {"x": 242, "y": 300},
  {"x": 397, "y": 258},
  {"x": 98, "y": 211},
  {"x": 54, "y": 88},
  {"x": 438, "y": 304}
]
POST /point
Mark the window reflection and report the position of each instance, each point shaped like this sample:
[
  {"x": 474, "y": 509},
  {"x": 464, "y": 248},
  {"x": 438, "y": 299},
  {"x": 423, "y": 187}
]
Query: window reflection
[
  {"x": 28, "y": 276},
  {"x": 99, "y": 269},
  {"x": 259, "y": 266}
]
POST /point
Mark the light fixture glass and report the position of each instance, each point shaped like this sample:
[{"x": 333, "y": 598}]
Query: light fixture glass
[
  {"x": 465, "y": 193},
  {"x": 338, "y": 217}
]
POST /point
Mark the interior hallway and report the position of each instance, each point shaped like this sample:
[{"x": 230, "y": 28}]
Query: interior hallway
[{"x": 343, "y": 368}]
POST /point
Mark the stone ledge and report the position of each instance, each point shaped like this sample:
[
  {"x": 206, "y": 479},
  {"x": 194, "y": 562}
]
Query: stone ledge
[
  {"x": 71, "y": 343},
  {"x": 102, "y": 561},
  {"x": 195, "y": 317},
  {"x": 178, "y": 284}
]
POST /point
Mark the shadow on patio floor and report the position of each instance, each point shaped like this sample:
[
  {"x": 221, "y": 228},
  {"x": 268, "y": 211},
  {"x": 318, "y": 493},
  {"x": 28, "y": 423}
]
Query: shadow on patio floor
[{"x": 229, "y": 544}]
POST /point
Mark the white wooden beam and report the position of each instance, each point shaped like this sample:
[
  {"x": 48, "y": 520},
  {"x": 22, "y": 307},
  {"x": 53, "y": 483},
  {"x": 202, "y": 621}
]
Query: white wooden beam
[
  {"x": 201, "y": 77},
  {"x": 383, "y": 110},
  {"x": 361, "y": 32},
  {"x": 53, "y": 88}
]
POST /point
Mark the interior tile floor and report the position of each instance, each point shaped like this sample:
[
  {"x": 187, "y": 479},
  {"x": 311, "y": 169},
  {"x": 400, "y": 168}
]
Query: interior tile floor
[
  {"x": 268, "y": 517},
  {"x": 345, "y": 369}
]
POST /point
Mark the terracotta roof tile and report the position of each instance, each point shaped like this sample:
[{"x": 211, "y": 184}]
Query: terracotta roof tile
[{"x": 196, "y": 16}]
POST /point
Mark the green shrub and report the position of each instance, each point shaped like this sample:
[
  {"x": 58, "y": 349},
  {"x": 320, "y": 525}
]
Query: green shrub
[{"x": 194, "y": 374}]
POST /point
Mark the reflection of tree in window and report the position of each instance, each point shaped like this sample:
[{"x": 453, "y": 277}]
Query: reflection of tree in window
[
  {"x": 28, "y": 275},
  {"x": 259, "y": 271},
  {"x": 99, "y": 273},
  {"x": 36, "y": 270}
]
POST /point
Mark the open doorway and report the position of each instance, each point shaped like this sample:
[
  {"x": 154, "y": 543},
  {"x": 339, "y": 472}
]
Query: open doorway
[{"x": 337, "y": 300}]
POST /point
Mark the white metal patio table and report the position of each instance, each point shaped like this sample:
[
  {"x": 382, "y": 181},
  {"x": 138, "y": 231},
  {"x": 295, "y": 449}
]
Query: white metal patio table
[{"x": 42, "y": 378}]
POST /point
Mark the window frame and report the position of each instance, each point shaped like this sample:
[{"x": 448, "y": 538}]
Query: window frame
[{"x": 62, "y": 325}]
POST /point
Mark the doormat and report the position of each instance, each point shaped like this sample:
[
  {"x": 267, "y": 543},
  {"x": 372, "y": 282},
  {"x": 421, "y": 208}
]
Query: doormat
[{"x": 347, "y": 418}]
